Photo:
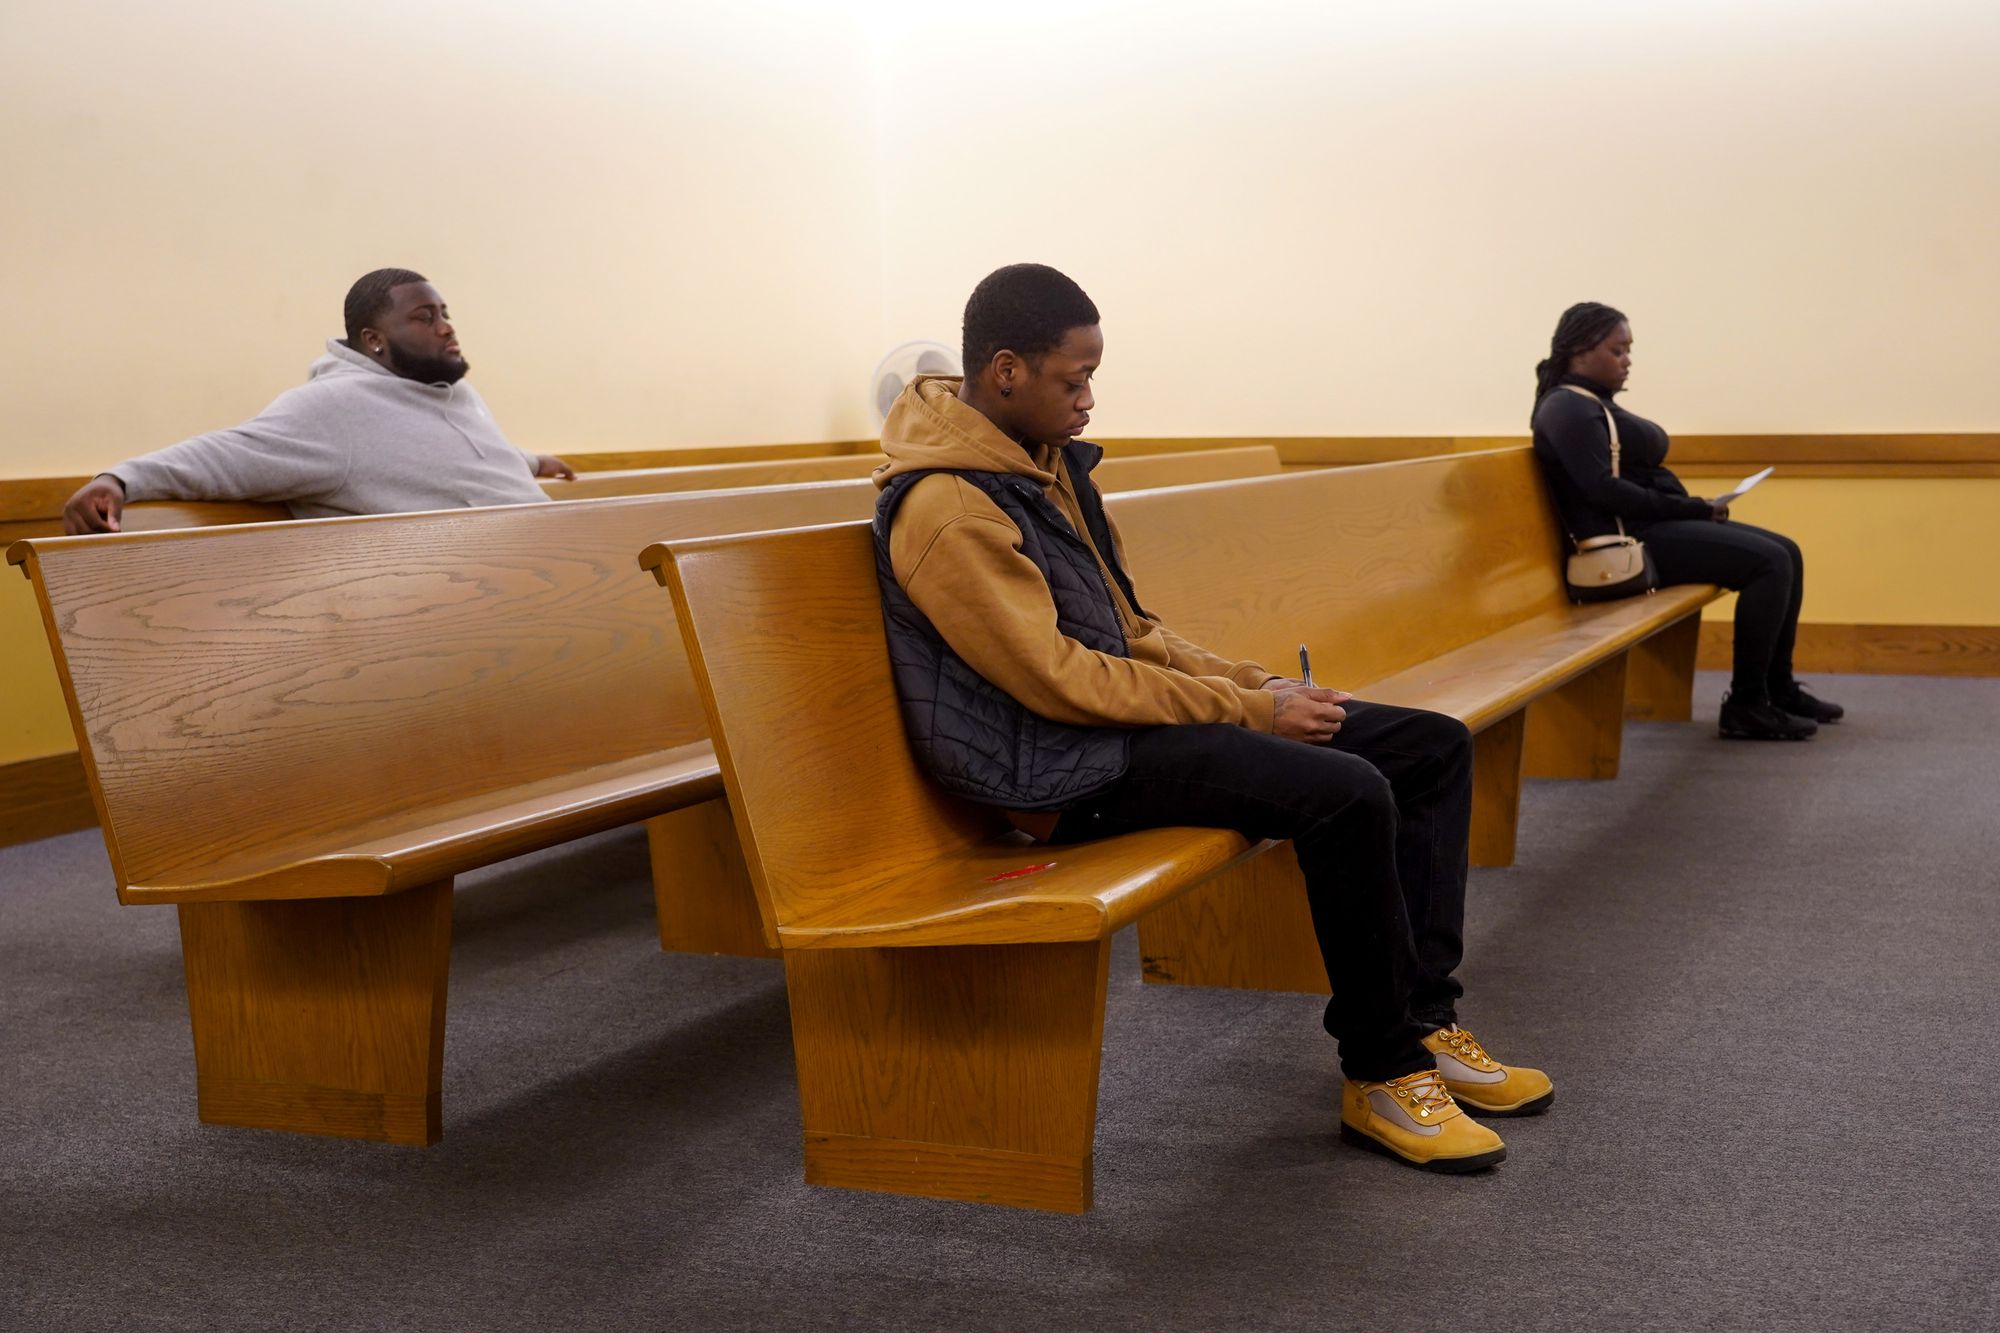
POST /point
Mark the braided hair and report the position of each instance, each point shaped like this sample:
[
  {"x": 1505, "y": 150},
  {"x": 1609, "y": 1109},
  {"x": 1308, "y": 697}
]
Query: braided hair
[{"x": 1582, "y": 327}]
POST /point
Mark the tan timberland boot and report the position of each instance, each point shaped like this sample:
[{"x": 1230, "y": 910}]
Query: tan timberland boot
[
  {"x": 1414, "y": 1119},
  {"x": 1481, "y": 1084}
]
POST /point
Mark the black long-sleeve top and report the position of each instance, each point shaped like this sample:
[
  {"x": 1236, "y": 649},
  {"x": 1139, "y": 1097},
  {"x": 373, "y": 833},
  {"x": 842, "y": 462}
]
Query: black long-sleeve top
[{"x": 1573, "y": 445}]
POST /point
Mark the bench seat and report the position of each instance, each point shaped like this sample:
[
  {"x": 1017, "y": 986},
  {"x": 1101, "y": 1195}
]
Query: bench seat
[
  {"x": 1095, "y": 889},
  {"x": 997, "y": 893},
  {"x": 413, "y": 847},
  {"x": 1501, "y": 673}
]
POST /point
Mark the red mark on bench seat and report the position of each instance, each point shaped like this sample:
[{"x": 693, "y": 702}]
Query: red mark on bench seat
[{"x": 1021, "y": 873}]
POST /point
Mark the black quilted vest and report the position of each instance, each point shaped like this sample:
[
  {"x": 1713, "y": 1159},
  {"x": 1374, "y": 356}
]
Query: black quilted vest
[{"x": 970, "y": 735}]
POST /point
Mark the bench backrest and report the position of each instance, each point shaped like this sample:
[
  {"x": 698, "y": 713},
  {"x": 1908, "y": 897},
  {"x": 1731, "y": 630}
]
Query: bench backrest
[
  {"x": 1379, "y": 567},
  {"x": 713, "y": 476},
  {"x": 1128, "y": 473},
  {"x": 283, "y": 680},
  {"x": 168, "y": 515},
  {"x": 1376, "y": 567},
  {"x": 1124, "y": 473},
  {"x": 1132, "y": 472},
  {"x": 786, "y": 634},
  {"x": 239, "y": 688}
]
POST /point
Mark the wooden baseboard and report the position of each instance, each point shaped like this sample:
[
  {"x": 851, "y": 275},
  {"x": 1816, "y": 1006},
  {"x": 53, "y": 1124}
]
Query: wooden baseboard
[
  {"x": 1874, "y": 650},
  {"x": 40, "y": 798}
]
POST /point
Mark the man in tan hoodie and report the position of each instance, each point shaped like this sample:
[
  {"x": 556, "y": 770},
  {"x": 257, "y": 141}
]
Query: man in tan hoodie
[{"x": 1032, "y": 678}]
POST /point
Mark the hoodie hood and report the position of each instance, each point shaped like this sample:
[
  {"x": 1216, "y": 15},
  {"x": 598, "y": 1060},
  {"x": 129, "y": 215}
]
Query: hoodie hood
[
  {"x": 929, "y": 430},
  {"x": 340, "y": 359}
]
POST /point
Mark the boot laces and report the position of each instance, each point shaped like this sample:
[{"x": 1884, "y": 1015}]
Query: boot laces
[
  {"x": 1423, "y": 1091},
  {"x": 1466, "y": 1047}
]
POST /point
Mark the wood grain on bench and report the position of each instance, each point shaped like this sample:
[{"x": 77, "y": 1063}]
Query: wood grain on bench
[
  {"x": 947, "y": 975},
  {"x": 963, "y": 1061},
  {"x": 344, "y": 709},
  {"x": 1432, "y": 583},
  {"x": 289, "y": 727}
]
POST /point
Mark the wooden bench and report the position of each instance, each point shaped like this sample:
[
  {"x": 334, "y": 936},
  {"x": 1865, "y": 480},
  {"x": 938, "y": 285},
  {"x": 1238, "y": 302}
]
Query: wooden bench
[
  {"x": 259, "y": 710},
  {"x": 947, "y": 976},
  {"x": 722, "y": 918},
  {"x": 1443, "y": 591},
  {"x": 300, "y": 732}
]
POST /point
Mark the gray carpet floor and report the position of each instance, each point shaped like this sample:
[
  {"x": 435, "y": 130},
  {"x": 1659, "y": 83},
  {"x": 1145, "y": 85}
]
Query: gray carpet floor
[{"x": 1763, "y": 977}]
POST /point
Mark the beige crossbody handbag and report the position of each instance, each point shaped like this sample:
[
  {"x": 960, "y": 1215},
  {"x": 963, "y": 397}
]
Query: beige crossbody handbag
[{"x": 1608, "y": 567}]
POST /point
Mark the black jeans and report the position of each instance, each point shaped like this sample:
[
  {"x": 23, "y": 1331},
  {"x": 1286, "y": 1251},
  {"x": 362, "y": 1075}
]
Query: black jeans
[
  {"x": 1379, "y": 818},
  {"x": 1769, "y": 574}
]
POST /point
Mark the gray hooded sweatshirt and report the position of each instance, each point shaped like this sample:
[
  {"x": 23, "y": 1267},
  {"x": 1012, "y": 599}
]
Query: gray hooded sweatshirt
[{"x": 353, "y": 439}]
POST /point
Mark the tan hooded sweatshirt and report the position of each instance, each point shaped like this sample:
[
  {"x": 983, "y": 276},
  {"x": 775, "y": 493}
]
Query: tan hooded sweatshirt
[{"x": 958, "y": 557}]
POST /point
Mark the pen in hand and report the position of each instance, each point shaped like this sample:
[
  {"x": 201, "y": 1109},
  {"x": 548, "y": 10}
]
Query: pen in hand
[{"x": 1305, "y": 667}]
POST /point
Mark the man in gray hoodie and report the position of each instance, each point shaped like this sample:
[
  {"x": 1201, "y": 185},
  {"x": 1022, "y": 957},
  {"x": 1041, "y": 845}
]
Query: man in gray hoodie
[{"x": 383, "y": 424}]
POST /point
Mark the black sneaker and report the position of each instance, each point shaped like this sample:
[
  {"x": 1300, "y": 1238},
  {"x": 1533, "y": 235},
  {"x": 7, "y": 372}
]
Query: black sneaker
[
  {"x": 1763, "y": 721},
  {"x": 1799, "y": 703}
]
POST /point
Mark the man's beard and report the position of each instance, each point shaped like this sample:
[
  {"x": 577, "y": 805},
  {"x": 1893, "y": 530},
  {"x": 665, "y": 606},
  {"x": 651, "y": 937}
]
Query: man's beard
[{"x": 427, "y": 369}]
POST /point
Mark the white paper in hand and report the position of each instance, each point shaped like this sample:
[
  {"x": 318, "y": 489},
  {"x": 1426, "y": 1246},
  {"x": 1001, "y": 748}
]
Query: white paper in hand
[{"x": 1742, "y": 487}]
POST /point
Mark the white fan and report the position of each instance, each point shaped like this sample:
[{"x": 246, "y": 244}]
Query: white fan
[{"x": 903, "y": 364}]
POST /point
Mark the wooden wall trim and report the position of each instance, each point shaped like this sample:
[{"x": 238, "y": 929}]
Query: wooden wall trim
[
  {"x": 1873, "y": 650},
  {"x": 40, "y": 499},
  {"x": 40, "y": 798},
  {"x": 1841, "y": 450},
  {"x": 1735, "y": 470},
  {"x": 1842, "y": 455}
]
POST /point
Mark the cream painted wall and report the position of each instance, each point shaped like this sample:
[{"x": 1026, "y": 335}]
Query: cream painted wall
[
  {"x": 673, "y": 223},
  {"x": 1347, "y": 218},
  {"x": 656, "y": 224},
  {"x": 33, "y": 720}
]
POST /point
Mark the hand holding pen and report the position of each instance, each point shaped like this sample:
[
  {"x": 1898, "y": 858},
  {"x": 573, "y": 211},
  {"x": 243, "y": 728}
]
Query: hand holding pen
[{"x": 1304, "y": 711}]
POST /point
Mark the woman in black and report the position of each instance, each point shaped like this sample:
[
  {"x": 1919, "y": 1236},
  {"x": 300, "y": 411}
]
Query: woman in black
[{"x": 1691, "y": 540}]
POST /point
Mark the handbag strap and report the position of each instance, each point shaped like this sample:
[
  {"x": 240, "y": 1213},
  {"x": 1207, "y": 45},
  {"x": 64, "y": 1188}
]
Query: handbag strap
[{"x": 1611, "y": 423}]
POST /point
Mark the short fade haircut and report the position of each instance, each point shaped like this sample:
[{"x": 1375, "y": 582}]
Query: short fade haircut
[
  {"x": 1025, "y": 309},
  {"x": 369, "y": 297}
]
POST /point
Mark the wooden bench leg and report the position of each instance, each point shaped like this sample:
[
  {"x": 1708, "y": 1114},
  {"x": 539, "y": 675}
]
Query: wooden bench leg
[
  {"x": 323, "y": 1015},
  {"x": 1496, "y": 790},
  {"x": 1578, "y": 730},
  {"x": 1248, "y": 927},
  {"x": 1659, "y": 685},
  {"x": 701, "y": 888},
  {"x": 967, "y": 1072}
]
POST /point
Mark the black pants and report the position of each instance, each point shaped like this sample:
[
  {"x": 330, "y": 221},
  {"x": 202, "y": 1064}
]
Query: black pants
[
  {"x": 1768, "y": 572},
  {"x": 1379, "y": 818}
]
